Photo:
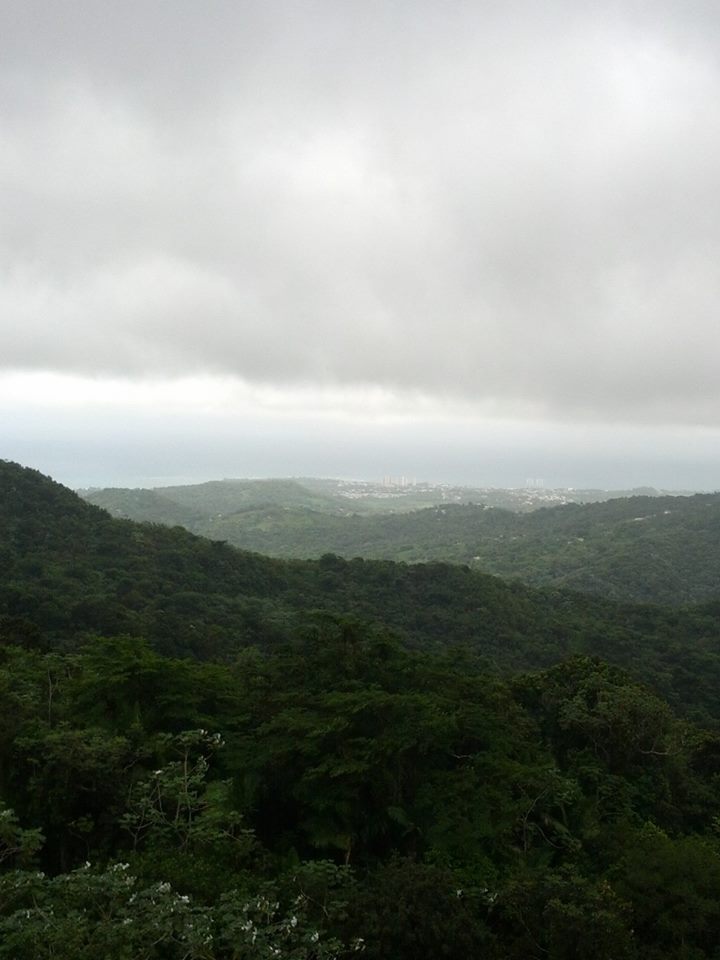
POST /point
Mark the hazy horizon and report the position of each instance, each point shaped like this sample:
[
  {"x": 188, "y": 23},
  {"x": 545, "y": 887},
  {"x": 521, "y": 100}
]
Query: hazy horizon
[
  {"x": 469, "y": 242},
  {"x": 115, "y": 458}
]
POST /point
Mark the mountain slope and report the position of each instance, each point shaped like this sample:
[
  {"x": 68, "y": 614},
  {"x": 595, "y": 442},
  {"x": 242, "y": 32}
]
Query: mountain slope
[
  {"x": 644, "y": 548},
  {"x": 337, "y": 793},
  {"x": 68, "y": 570}
]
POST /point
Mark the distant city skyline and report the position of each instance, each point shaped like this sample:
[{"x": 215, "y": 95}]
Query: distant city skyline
[{"x": 108, "y": 448}]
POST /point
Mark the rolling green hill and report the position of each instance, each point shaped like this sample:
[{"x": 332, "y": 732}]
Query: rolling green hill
[
  {"x": 227, "y": 496},
  {"x": 70, "y": 570},
  {"x": 663, "y": 549}
]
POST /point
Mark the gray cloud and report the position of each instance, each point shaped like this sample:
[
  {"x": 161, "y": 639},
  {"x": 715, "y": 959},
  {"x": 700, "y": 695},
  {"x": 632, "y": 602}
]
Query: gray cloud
[{"x": 513, "y": 203}]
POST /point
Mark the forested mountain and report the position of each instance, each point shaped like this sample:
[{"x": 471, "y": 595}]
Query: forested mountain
[
  {"x": 662, "y": 549},
  {"x": 69, "y": 568},
  {"x": 206, "y": 754}
]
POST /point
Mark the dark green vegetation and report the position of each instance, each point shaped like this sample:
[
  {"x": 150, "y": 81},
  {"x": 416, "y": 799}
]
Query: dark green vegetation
[
  {"x": 70, "y": 570},
  {"x": 206, "y": 753},
  {"x": 658, "y": 549}
]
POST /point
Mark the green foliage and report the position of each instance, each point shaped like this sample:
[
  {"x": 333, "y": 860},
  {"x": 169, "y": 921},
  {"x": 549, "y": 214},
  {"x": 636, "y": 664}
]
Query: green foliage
[
  {"x": 90, "y": 913},
  {"x": 416, "y": 911},
  {"x": 563, "y": 916},
  {"x": 175, "y": 813},
  {"x": 173, "y": 804},
  {"x": 86, "y": 913},
  {"x": 17, "y": 845},
  {"x": 320, "y": 760},
  {"x": 418, "y": 775},
  {"x": 672, "y": 884},
  {"x": 72, "y": 572},
  {"x": 660, "y": 549}
]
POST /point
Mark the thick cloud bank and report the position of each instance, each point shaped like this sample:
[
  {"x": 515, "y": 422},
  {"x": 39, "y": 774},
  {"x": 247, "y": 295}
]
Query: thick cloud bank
[{"x": 514, "y": 205}]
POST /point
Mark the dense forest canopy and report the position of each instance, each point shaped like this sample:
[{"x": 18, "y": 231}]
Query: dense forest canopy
[
  {"x": 70, "y": 569},
  {"x": 206, "y": 753}
]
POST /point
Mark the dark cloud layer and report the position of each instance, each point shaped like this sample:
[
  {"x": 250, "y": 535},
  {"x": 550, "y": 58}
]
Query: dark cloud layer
[{"x": 513, "y": 204}]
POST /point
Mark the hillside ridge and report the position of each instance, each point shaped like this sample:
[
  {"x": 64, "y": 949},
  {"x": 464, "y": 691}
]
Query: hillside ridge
[
  {"x": 70, "y": 571},
  {"x": 661, "y": 548}
]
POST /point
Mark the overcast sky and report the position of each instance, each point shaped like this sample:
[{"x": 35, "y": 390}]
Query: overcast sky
[{"x": 474, "y": 241}]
